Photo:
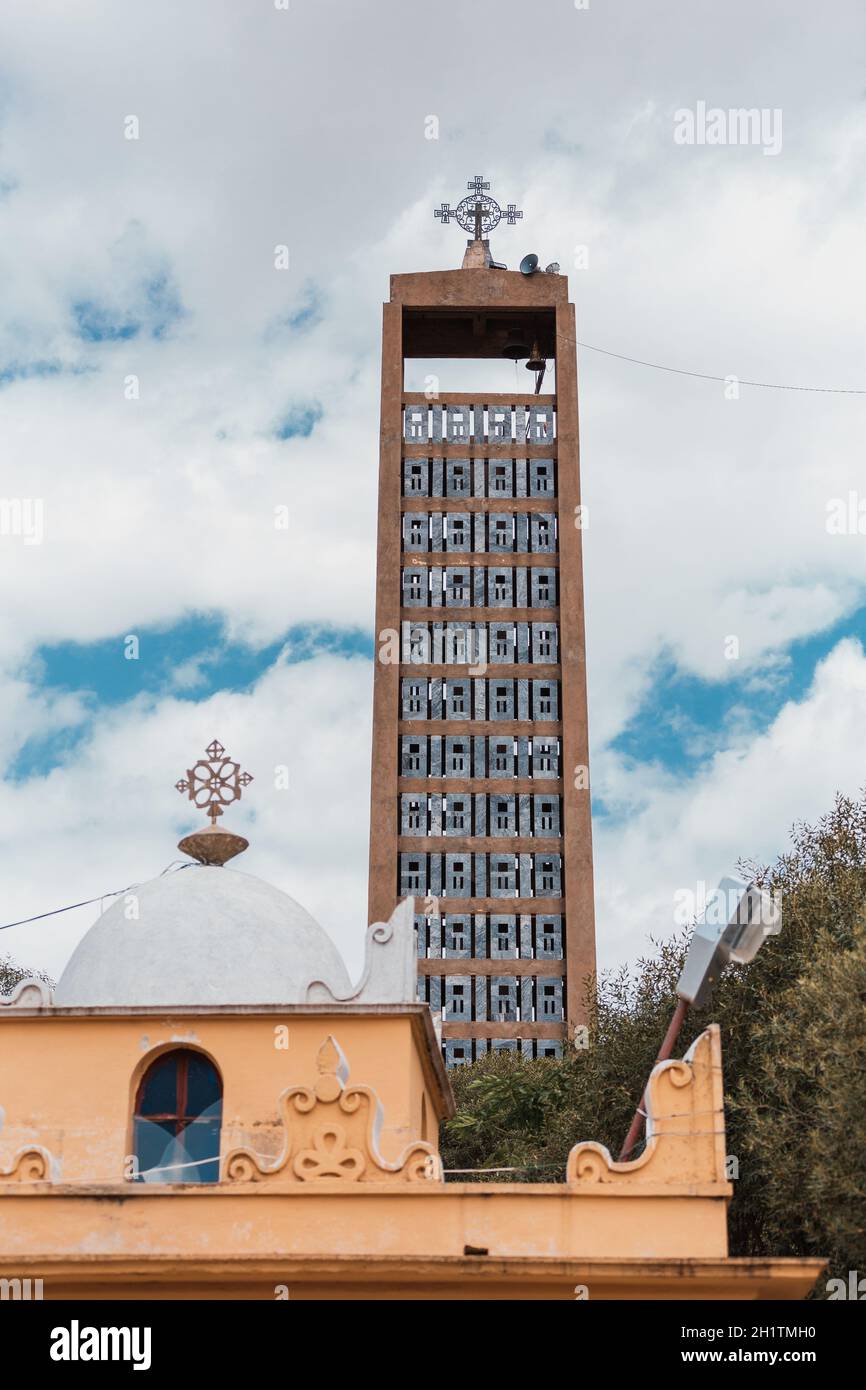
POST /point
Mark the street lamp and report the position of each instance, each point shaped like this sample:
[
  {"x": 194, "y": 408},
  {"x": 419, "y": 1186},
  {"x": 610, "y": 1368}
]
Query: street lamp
[{"x": 737, "y": 919}]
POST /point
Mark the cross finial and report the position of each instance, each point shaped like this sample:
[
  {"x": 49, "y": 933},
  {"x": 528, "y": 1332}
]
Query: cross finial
[
  {"x": 214, "y": 782},
  {"x": 211, "y": 783},
  {"x": 478, "y": 213}
]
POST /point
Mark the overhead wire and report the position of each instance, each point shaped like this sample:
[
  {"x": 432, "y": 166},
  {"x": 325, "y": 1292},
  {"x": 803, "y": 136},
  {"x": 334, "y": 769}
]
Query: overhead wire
[
  {"x": 732, "y": 376},
  {"x": 88, "y": 902}
]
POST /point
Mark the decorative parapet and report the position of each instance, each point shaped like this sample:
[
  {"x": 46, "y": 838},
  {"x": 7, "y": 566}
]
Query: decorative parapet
[
  {"x": 332, "y": 1134},
  {"x": 390, "y": 964},
  {"x": 685, "y": 1128},
  {"x": 31, "y": 993}
]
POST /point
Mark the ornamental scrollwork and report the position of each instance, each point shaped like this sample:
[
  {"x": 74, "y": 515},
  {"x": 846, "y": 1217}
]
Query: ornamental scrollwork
[{"x": 332, "y": 1135}]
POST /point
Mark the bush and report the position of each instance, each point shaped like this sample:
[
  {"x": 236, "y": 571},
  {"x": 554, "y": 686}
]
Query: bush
[
  {"x": 11, "y": 974},
  {"x": 794, "y": 1052}
]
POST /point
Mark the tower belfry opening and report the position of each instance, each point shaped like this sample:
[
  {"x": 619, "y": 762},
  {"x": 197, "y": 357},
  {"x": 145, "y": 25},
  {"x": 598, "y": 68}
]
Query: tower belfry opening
[{"x": 480, "y": 787}]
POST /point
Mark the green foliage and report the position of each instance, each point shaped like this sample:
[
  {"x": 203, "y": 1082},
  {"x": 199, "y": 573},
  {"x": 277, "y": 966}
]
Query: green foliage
[
  {"x": 801, "y": 1118},
  {"x": 513, "y": 1112},
  {"x": 794, "y": 1052},
  {"x": 11, "y": 974}
]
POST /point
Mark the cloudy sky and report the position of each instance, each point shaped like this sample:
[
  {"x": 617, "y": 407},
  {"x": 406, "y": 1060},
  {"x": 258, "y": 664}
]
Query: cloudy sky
[{"x": 164, "y": 388}]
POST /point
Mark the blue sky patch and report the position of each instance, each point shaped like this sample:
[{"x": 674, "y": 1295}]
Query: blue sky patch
[
  {"x": 39, "y": 368},
  {"x": 157, "y": 308},
  {"x": 684, "y": 720},
  {"x": 97, "y": 324},
  {"x": 164, "y": 304},
  {"x": 191, "y": 660},
  {"x": 299, "y": 421},
  {"x": 307, "y": 313},
  {"x": 21, "y": 371}
]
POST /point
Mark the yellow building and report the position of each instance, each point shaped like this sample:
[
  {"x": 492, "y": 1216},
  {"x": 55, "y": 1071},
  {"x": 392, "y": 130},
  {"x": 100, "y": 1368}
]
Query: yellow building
[{"x": 209, "y": 1108}]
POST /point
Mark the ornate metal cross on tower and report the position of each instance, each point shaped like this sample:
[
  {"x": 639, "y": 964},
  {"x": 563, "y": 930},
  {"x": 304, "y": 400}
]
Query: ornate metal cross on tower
[
  {"x": 212, "y": 783},
  {"x": 478, "y": 186},
  {"x": 478, "y": 213}
]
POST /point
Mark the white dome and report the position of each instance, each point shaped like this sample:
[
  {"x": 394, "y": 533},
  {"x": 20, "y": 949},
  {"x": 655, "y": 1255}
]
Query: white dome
[{"x": 202, "y": 936}]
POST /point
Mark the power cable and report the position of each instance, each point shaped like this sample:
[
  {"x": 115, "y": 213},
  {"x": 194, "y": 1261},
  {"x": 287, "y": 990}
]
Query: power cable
[
  {"x": 88, "y": 902},
  {"x": 707, "y": 376}
]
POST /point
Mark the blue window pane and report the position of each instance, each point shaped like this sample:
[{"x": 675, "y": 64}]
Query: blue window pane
[
  {"x": 159, "y": 1089},
  {"x": 151, "y": 1142},
  {"x": 203, "y": 1084},
  {"x": 201, "y": 1140},
  {"x": 183, "y": 1088}
]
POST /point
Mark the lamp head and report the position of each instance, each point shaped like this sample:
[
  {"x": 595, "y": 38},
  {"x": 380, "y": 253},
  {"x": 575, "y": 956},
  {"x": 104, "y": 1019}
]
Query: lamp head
[{"x": 737, "y": 918}]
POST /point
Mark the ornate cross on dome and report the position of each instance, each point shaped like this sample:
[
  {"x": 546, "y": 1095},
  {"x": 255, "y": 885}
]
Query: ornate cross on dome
[{"x": 214, "y": 782}]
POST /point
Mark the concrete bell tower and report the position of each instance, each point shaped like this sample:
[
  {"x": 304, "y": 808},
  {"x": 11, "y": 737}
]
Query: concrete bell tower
[{"x": 480, "y": 784}]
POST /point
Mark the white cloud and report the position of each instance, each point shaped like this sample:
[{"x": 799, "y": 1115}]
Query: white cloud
[
  {"x": 306, "y": 128},
  {"x": 109, "y": 816},
  {"x": 741, "y": 804}
]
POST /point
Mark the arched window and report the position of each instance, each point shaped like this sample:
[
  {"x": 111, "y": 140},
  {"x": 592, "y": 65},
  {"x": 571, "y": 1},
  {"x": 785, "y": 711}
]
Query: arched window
[{"x": 178, "y": 1113}]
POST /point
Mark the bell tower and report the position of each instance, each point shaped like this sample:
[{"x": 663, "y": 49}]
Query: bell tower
[{"x": 480, "y": 785}]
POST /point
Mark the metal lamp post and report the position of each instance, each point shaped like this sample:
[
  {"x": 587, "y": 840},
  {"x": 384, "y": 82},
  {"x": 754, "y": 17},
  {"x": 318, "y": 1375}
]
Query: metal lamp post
[{"x": 720, "y": 936}]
